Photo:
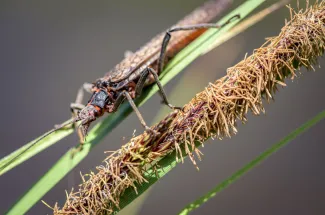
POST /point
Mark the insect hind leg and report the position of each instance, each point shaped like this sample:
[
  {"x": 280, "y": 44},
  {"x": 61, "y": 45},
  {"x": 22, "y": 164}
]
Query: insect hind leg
[
  {"x": 186, "y": 28},
  {"x": 141, "y": 83}
]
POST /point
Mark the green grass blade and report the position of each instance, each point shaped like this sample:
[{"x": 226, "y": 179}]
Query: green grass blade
[
  {"x": 29, "y": 150},
  {"x": 233, "y": 178},
  {"x": 66, "y": 163}
]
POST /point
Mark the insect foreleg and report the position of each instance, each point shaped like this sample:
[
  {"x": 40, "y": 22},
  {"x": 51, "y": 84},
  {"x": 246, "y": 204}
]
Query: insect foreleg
[
  {"x": 144, "y": 75},
  {"x": 77, "y": 106},
  {"x": 185, "y": 28}
]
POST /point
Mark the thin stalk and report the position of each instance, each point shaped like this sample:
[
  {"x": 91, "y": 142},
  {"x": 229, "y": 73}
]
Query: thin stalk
[{"x": 255, "y": 162}]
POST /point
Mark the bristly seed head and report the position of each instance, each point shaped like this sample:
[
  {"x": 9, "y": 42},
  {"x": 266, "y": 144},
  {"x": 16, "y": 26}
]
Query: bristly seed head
[{"x": 213, "y": 112}]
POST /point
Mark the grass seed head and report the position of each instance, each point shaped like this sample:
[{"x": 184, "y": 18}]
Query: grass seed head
[{"x": 211, "y": 113}]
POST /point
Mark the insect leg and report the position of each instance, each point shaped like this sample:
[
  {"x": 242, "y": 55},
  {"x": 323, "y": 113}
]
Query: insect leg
[
  {"x": 77, "y": 106},
  {"x": 126, "y": 95},
  {"x": 141, "y": 82},
  {"x": 186, "y": 28}
]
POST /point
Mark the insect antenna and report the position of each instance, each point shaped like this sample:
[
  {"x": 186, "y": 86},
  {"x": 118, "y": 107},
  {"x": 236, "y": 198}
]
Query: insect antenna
[{"x": 39, "y": 139}]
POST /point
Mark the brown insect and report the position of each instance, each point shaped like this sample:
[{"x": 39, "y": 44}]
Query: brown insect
[{"x": 140, "y": 69}]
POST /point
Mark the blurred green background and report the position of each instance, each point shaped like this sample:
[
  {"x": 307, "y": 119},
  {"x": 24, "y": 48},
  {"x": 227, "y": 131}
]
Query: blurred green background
[{"x": 49, "y": 48}]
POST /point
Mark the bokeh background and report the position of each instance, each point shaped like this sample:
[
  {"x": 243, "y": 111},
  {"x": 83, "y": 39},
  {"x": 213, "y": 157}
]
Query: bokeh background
[{"x": 49, "y": 48}]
